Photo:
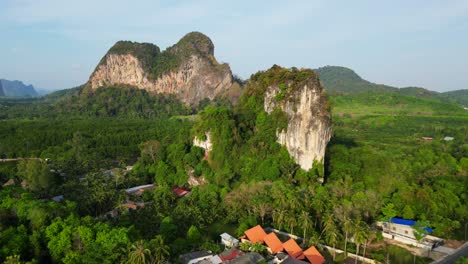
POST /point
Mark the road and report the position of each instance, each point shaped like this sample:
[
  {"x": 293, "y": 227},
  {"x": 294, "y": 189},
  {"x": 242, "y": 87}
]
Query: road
[{"x": 450, "y": 259}]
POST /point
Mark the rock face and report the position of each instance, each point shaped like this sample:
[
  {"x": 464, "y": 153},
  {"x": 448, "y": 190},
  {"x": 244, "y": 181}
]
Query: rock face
[
  {"x": 187, "y": 70},
  {"x": 204, "y": 144},
  {"x": 309, "y": 123}
]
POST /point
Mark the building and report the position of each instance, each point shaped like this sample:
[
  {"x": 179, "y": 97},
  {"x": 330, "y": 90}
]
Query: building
[
  {"x": 255, "y": 234},
  {"x": 230, "y": 254},
  {"x": 314, "y": 256},
  {"x": 248, "y": 258},
  {"x": 228, "y": 240},
  {"x": 293, "y": 249},
  {"x": 401, "y": 230},
  {"x": 273, "y": 243},
  {"x": 180, "y": 192},
  {"x": 401, "y": 227},
  {"x": 195, "y": 257},
  {"x": 138, "y": 190},
  {"x": 448, "y": 138}
]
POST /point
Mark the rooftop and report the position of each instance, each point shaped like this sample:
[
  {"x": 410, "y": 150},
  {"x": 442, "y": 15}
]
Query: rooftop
[
  {"x": 185, "y": 258},
  {"x": 314, "y": 256},
  {"x": 248, "y": 258},
  {"x": 256, "y": 234},
  {"x": 273, "y": 243},
  {"x": 293, "y": 249},
  {"x": 407, "y": 222}
]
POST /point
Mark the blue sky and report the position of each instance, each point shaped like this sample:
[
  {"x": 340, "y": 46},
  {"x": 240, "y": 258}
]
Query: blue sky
[{"x": 56, "y": 44}]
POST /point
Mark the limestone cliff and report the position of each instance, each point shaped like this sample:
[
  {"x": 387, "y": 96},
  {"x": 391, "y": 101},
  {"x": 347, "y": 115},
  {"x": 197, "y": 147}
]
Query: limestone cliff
[
  {"x": 306, "y": 107},
  {"x": 187, "y": 70}
]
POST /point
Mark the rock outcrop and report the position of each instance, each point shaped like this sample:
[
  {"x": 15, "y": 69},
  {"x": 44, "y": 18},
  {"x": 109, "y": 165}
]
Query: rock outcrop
[
  {"x": 187, "y": 70},
  {"x": 309, "y": 120}
]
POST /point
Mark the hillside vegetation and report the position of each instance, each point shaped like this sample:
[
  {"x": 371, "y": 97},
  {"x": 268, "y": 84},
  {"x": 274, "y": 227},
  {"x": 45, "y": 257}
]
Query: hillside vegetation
[{"x": 341, "y": 80}]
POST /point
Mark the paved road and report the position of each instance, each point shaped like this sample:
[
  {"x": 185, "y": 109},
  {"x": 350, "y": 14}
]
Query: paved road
[{"x": 449, "y": 259}]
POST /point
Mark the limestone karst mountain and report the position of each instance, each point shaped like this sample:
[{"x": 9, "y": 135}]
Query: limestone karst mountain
[{"x": 187, "y": 70}]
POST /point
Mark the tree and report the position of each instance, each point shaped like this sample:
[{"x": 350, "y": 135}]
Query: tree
[
  {"x": 360, "y": 235},
  {"x": 138, "y": 253},
  {"x": 159, "y": 251},
  {"x": 306, "y": 223},
  {"x": 152, "y": 149},
  {"x": 36, "y": 173},
  {"x": 331, "y": 232},
  {"x": 193, "y": 235}
]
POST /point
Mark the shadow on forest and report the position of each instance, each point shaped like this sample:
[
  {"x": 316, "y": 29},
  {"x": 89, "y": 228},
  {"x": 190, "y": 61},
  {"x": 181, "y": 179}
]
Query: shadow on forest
[{"x": 345, "y": 141}]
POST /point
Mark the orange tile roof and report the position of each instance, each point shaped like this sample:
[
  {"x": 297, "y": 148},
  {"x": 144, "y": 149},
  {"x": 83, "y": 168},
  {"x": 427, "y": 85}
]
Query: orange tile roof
[
  {"x": 314, "y": 256},
  {"x": 293, "y": 249},
  {"x": 273, "y": 243},
  {"x": 255, "y": 234}
]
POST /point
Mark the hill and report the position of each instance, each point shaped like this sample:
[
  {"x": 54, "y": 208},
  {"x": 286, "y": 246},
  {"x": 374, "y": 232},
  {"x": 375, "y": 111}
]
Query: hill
[
  {"x": 341, "y": 80},
  {"x": 188, "y": 70},
  {"x": 16, "y": 89},
  {"x": 338, "y": 79}
]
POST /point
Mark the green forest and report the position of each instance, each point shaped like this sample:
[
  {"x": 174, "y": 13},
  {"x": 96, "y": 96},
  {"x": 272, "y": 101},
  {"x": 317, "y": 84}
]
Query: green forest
[{"x": 377, "y": 166}]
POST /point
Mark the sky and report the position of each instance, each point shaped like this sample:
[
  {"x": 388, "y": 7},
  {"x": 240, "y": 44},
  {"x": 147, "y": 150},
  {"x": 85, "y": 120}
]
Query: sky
[{"x": 56, "y": 44}]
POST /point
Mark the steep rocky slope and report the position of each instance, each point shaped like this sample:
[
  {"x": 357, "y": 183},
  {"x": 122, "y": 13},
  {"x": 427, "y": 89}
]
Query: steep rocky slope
[
  {"x": 300, "y": 107},
  {"x": 309, "y": 124},
  {"x": 187, "y": 70}
]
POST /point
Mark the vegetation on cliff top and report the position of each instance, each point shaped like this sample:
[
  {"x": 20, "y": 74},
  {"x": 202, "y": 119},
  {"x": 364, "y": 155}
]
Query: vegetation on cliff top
[{"x": 158, "y": 63}]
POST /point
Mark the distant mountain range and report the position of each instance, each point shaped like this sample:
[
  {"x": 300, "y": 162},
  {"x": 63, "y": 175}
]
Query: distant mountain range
[
  {"x": 16, "y": 89},
  {"x": 341, "y": 80}
]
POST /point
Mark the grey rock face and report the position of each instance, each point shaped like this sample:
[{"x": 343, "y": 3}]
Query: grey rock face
[{"x": 309, "y": 122}]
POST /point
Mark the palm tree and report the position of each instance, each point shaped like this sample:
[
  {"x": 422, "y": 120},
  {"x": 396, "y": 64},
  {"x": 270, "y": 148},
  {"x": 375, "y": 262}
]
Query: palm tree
[
  {"x": 360, "y": 236},
  {"x": 370, "y": 236},
  {"x": 138, "y": 253},
  {"x": 160, "y": 251},
  {"x": 347, "y": 225},
  {"x": 331, "y": 232},
  {"x": 306, "y": 224}
]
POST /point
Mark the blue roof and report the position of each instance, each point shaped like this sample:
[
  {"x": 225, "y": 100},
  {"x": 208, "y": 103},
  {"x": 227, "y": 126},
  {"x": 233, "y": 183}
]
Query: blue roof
[{"x": 407, "y": 222}]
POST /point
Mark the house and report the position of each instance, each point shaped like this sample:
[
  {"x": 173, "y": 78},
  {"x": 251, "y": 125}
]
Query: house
[
  {"x": 180, "y": 192},
  {"x": 291, "y": 260},
  {"x": 448, "y": 138},
  {"x": 228, "y": 240},
  {"x": 132, "y": 205},
  {"x": 401, "y": 230},
  {"x": 314, "y": 256},
  {"x": 57, "y": 198},
  {"x": 255, "y": 234},
  {"x": 402, "y": 227},
  {"x": 248, "y": 258},
  {"x": 195, "y": 257},
  {"x": 426, "y": 138},
  {"x": 138, "y": 190},
  {"x": 230, "y": 254},
  {"x": 273, "y": 243},
  {"x": 293, "y": 249}
]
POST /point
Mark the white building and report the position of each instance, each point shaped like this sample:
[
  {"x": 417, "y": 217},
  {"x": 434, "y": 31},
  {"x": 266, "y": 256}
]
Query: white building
[{"x": 228, "y": 240}]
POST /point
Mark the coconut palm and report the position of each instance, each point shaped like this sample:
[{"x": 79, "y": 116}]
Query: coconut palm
[
  {"x": 306, "y": 223},
  {"x": 138, "y": 253},
  {"x": 331, "y": 232},
  {"x": 160, "y": 251},
  {"x": 360, "y": 236}
]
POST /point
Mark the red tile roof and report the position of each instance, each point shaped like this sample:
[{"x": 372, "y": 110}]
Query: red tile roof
[
  {"x": 230, "y": 254},
  {"x": 293, "y": 249},
  {"x": 314, "y": 256},
  {"x": 273, "y": 243},
  {"x": 255, "y": 234},
  {"x": 180, "y": 192}
]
